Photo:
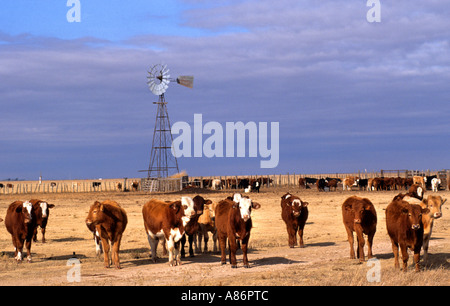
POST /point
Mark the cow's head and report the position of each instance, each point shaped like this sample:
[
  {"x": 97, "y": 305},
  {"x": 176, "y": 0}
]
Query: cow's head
[
  {"x": 294, "y": 203},
  {"x": 359, "y": 208},
  {"x": 188, "y": 205},
  {"x": 414, "y": 213},
  {"x": 434, "y": 204},
  {"x": 43, "y": 208},
  {"x": 95, "y": 215},
  {"x": 199, "y": 203},
  {"x": 25, "y": 209},
  {"x": 245, "y": 206}
]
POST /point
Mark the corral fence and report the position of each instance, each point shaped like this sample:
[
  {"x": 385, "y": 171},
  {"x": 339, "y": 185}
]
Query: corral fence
[{"x": 162, "y": 184}]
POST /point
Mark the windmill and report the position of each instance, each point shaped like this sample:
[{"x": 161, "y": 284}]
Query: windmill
[{"x": 162, "y": 161}]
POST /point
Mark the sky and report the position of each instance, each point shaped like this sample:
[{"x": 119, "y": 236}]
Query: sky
[{"x": 348, "y": 94}]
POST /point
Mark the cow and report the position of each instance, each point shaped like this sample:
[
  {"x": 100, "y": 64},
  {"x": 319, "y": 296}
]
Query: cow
[
  {"x": 416, "y": 191},
  {"x": 20, "y": 223},
  {"x": 362, "y": 183},
  {"x": 135, "y": 186},
  {"x": 216, "y": 184},
  {"x": 321, "y": 183},
  {"x": 255, "y": 186},
  {"x": 96, "y": 185},
  {"x": 405, "y": 229},
  {"x": 332, "y": 184},
  {"x": 167, "y": 220},
  {"x": 233, "y": 221},
  {"x": 206, "y": 224},
  {"x": 42, "y": 210},
  {"x": 435, "y": 184},
  {"x": 302, "y": 183},
  {"x": 192, "y": 226},
  {"x": 1, "y": 186},
  {"x": 434, "y": 205},
  {"x": 294, "y": 213},
  {"x": 349, "y": 182},
  {"x": 420, "y": 180},
  {"x": 359, "y": 216},
  {"x": 110, "y": 221}
]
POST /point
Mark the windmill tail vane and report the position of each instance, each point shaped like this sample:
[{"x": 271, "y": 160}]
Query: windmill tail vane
[{"x": 186, "y": 80}]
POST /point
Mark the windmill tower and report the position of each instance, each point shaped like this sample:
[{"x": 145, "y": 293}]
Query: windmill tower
[{"x": 162, "y": 161}]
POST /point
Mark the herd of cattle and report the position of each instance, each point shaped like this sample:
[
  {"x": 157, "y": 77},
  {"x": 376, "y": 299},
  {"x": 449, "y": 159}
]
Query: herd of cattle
[
  {"x": 374, "y": 184},
  {"x": 409, "y": 223}
]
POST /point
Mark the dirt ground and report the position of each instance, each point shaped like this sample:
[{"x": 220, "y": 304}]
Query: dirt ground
[{"x": 324, "y": 260}]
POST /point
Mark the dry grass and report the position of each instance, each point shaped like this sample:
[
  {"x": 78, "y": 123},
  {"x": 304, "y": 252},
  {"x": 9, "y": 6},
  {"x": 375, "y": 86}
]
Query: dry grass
[{"x": 324, "y": 260}]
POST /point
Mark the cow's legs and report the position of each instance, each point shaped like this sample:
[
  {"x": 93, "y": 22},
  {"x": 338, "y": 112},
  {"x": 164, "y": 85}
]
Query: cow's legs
[
  {"x": 233, "y": 248},
  {"x": 106, "y": 248},
  {"x": 395, "y": 251},
  {"x": 405, "y": 256},
  {"x": 350, "y": 241},
  {"x": 244, "y": 251},
  {"x": 223, "y": 246},
  {"x": 153, "y": 242}
]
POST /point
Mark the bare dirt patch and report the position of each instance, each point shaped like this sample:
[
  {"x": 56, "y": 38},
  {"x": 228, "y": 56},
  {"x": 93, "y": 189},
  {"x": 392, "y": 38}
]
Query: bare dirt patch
[{"x": 324, "y": 260}]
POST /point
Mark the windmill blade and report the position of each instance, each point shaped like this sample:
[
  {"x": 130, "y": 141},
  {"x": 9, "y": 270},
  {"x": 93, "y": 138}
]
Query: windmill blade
[{"x": 186, "y": 80}]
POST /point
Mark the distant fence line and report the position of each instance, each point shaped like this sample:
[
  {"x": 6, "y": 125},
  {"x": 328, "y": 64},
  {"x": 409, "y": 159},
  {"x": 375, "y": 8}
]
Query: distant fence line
[{"x": 176, "y": 184}]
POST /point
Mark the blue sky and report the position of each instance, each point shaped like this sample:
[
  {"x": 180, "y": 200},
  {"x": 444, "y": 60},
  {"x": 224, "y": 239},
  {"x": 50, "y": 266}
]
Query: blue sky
[{"x": 349, "y": 95}]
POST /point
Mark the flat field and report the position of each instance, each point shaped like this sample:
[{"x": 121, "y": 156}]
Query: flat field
[{"x": 324, "y": 260}]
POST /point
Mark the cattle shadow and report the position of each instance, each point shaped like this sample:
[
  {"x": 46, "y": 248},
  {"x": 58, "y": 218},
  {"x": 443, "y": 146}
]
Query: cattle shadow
[
  {"x": 37, "y": 257},
  {"x": 67, "y": 239},
  {"x": 320, "y": 244},
  {"x": 437, "y": 261},
  {"x": 268, "y": 261}
]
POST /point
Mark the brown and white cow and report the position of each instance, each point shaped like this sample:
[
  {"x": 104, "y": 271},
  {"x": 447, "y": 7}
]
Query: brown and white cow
[
  {"x": 233, "y": 221},
  {"x": 167, "y": 220},
  {"x": 405, "y": 229},
  {"x": 420, "y": 180},
  {"x": 20, "y": 223},
  {"x": 192, "y": 226},
  {"x": 294, "y": 213},
  {"x": 349, "y": 182},
  {"x": 42, "y": 211},
  {"x": 359, "y": 216},
  {"x": 110, "y": 221},
  {"x": 206, "y": 225},
  {"x": 434, "y": 205}
]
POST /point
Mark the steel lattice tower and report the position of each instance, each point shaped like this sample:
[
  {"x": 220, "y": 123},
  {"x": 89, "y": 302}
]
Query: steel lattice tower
[{"x": 162, "y": 162}]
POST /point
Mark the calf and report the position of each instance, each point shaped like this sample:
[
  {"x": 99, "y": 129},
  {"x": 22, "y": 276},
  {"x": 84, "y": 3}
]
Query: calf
[
  {"x": 233, "y": 221},
  {"x": 110, "y": 221},
  {"x": 405, "y": 229},
  {"x": 20, "y": 223},
  {"x": 206, "y": 224},
  {"x": 433, "y": 204},
  {"x": 42, "y": 210},
  {"x": 167, "y": 220},
  {"x": 192, "y": 226},
  {"x": 294, "y": 213},
  {"x": 435, "y": 183},
  {"x": 359, "y": 216}
]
